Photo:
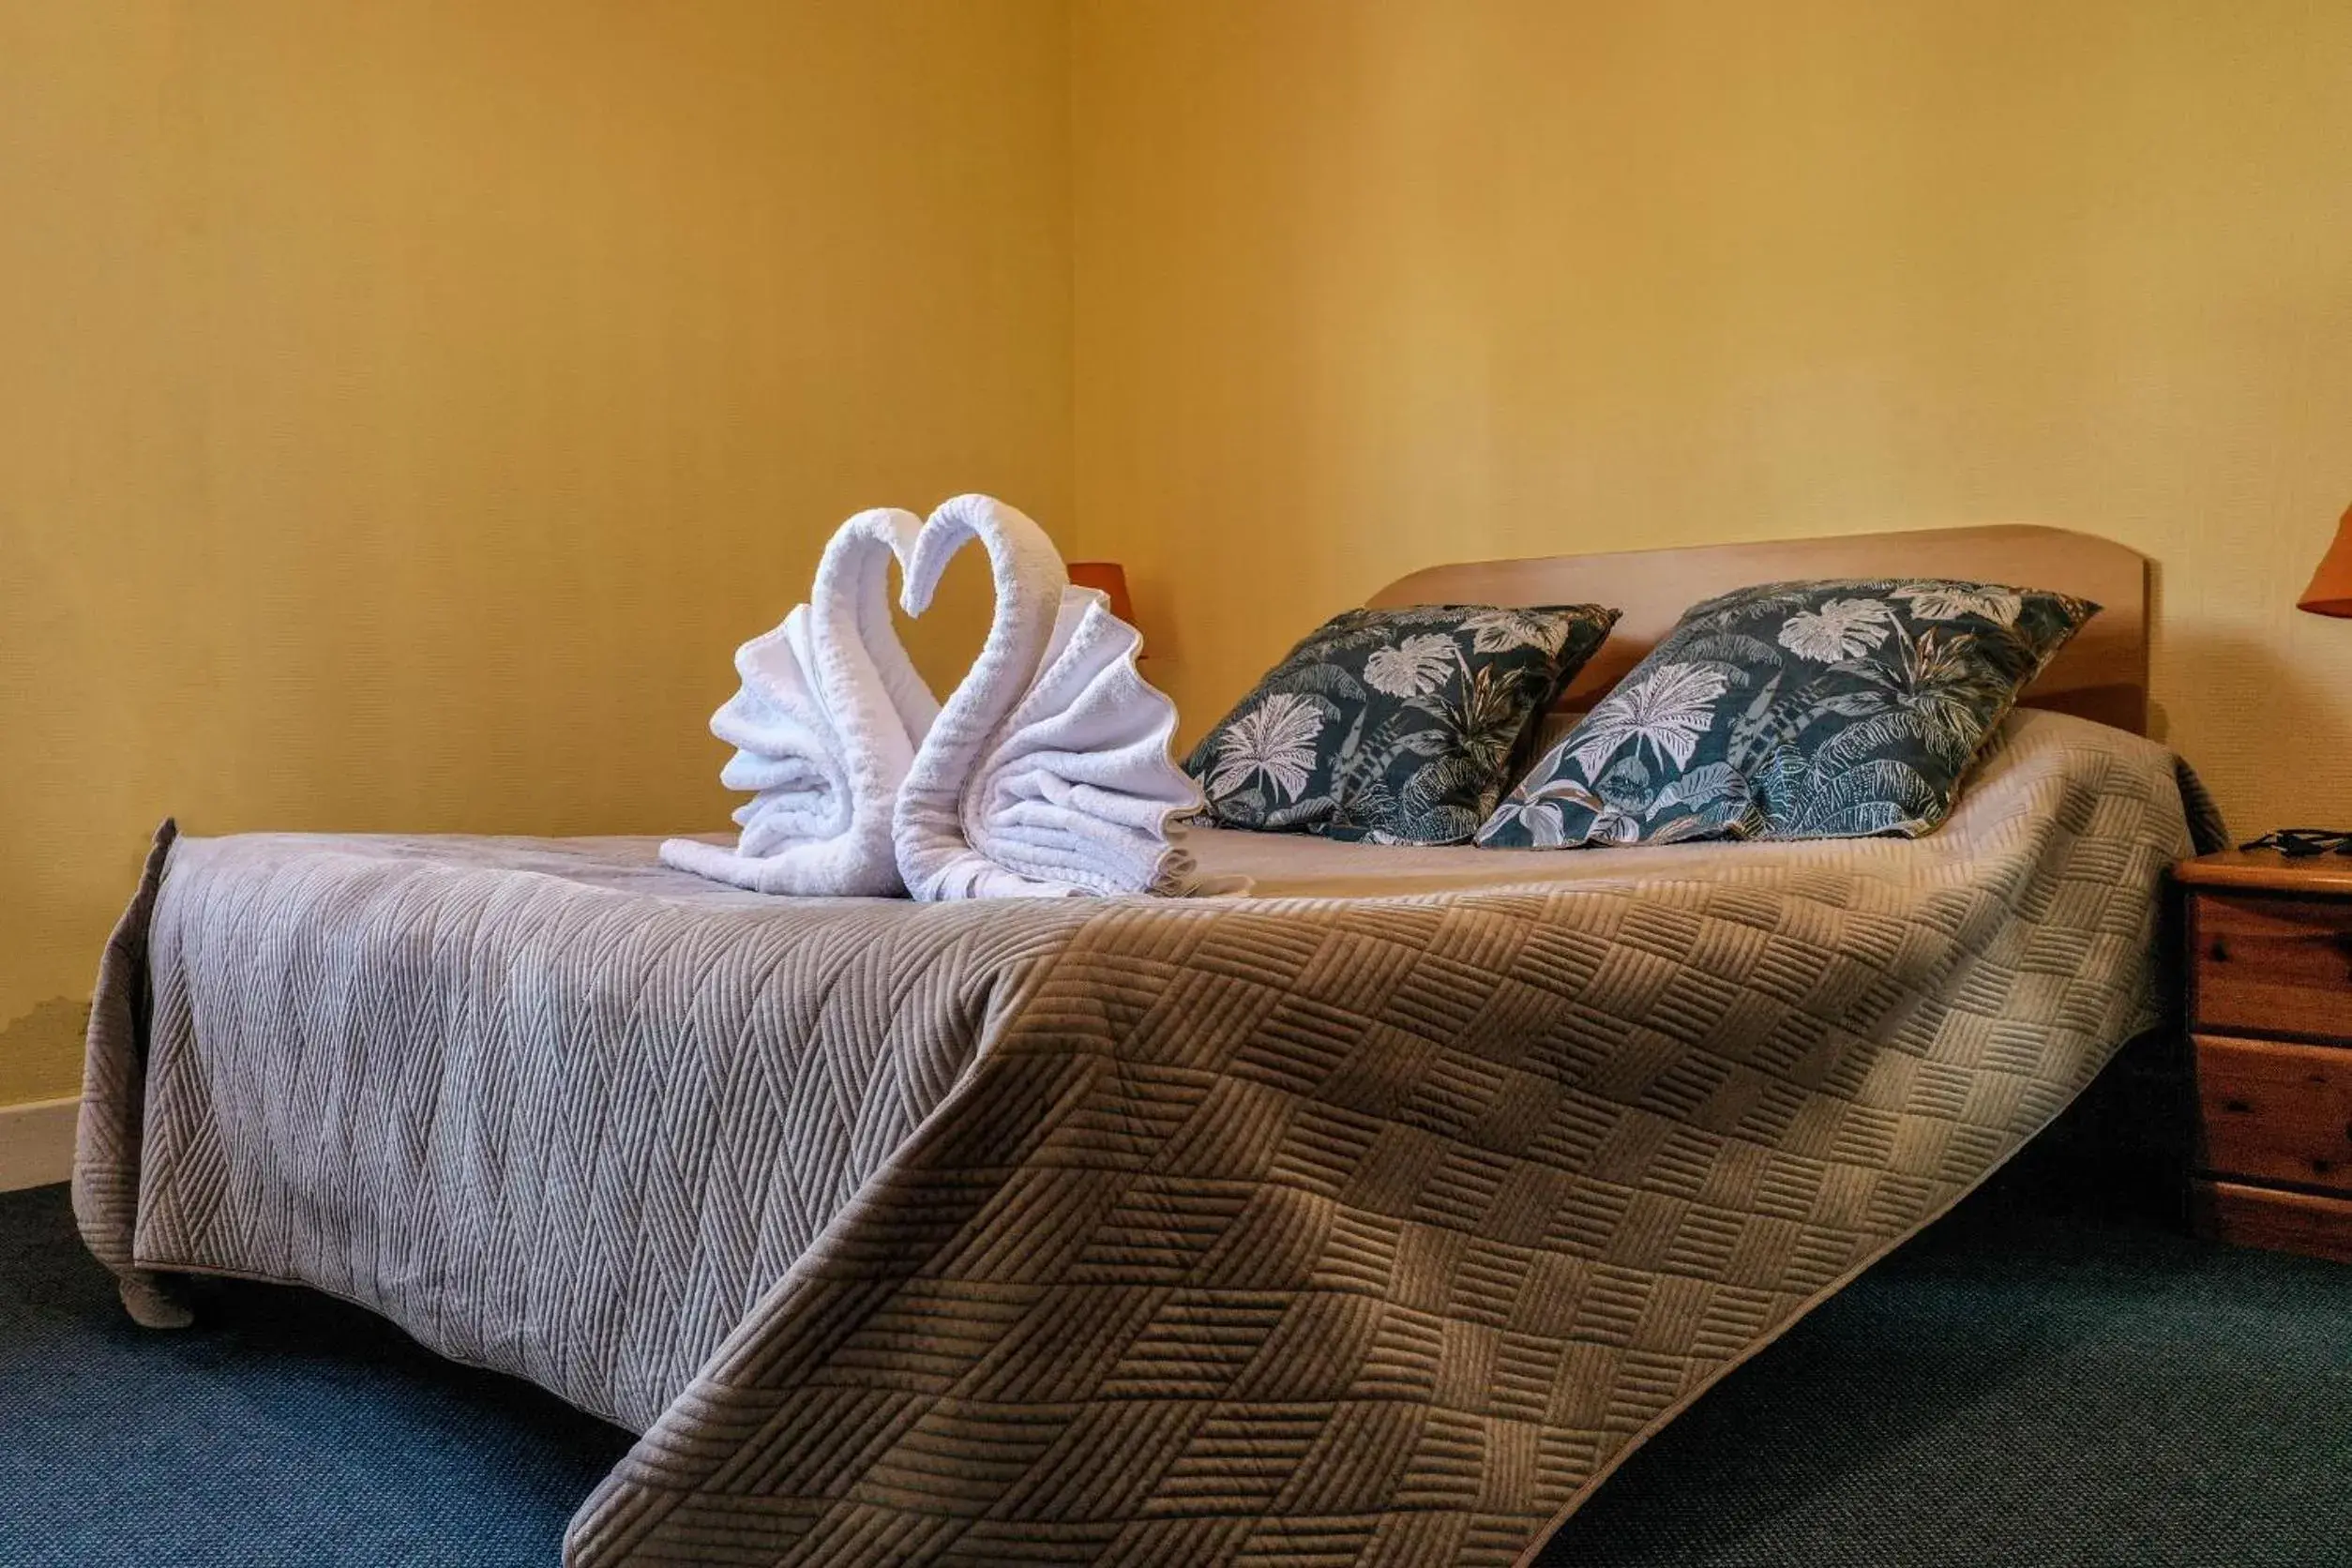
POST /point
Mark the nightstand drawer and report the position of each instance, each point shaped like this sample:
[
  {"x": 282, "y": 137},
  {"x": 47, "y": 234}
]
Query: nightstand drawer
[
  {"x": 2287, "y": 1221},
  {"x": 2269, "y": 965},
  {"x": 2276, "y": 1110}
]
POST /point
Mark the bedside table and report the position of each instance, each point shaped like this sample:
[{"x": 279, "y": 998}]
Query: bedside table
[{"x": 2269, "y": 1016}]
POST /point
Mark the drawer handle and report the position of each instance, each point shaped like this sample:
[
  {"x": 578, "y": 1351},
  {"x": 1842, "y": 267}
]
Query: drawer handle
[{"x": 2219, "y": 952}]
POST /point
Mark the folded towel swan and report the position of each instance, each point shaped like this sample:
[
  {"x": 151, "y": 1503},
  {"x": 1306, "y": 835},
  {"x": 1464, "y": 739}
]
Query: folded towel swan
[
  {"x": 1047, "y": 773},
  {"x": 825, "y": 725}
]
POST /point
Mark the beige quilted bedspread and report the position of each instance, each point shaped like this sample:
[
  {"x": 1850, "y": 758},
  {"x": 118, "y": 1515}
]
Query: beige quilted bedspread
[{"x": 1370, "y": 1225}]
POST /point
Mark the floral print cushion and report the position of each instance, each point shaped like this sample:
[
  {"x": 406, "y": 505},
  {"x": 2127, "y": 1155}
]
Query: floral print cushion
[
  {"x": 1396, "y": 726},
  {"x": 1795, "y": 710}
]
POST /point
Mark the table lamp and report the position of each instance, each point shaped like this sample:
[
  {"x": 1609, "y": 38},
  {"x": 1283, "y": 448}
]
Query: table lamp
[
  {"x": 2330, "y": 594},
  {"x": 2330, "y": 590},
  {"x": 1111, "y": 578}
]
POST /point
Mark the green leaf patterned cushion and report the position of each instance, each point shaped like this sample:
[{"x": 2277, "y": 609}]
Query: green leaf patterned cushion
[
  {"x": 1794, "y": 710},
  {"x": 1397, "y": 726}
]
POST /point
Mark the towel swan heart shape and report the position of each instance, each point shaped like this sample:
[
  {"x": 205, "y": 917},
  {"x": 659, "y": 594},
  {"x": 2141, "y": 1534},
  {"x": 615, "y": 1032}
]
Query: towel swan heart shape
[{"x": 1046, "y": 774}]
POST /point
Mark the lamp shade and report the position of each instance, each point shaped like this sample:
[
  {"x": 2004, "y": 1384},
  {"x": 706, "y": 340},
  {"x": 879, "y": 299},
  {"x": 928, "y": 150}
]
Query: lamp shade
[
  {"x": 2330, "y": 590},
  {"x": 1111, "y": 578}
]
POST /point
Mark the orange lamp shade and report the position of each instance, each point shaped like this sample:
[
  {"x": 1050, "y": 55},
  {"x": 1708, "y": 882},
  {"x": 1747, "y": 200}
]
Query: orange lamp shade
[
  {"x": 1111, "y": 578},
  {"x": 2330, "y": 590}
]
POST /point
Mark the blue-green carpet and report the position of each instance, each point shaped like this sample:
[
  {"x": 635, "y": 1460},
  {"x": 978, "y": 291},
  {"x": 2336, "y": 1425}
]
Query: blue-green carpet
[{"x": 2012, "y": 1387}]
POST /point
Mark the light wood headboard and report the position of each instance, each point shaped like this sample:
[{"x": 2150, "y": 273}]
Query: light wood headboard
[{"x": 2102, "y": 674}]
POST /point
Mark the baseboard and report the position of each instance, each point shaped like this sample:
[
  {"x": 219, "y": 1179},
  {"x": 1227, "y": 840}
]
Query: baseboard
[{"x": 37, "y": 1143}]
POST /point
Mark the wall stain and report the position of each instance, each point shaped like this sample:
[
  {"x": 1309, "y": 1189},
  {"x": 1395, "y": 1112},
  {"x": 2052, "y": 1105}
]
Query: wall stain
[{"x": 41, "y": 1051}]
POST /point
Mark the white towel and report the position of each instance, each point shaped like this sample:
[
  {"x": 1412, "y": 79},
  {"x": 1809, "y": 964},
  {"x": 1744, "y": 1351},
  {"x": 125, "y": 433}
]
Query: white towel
[
  {"x": 1048, "y": 773},
  {"x": 825, "y": 725}
]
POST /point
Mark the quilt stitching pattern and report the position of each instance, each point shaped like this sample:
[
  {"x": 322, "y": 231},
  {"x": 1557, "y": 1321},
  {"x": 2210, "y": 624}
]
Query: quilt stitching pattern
[{"x": 1311, "y": 1232}]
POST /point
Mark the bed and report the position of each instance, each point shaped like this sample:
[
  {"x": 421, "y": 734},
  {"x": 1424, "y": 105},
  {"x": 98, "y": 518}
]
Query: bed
[{"x": 1372, "y": 1218}]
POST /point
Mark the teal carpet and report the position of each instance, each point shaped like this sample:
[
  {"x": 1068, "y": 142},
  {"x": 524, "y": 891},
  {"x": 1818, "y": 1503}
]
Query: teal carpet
[
  {"x": 2011, "y": 1388},
  {"x": 2015, "y": 1388}
]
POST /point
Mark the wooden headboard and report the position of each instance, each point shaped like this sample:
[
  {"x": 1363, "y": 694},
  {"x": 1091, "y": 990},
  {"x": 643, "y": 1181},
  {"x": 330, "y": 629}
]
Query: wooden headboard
[{"x": 2102, "y": 674}]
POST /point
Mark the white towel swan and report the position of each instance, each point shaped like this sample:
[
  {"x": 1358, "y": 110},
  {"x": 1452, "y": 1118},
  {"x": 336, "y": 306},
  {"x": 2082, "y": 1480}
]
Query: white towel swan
[
  {"x": 825, "y": 725},
  {"x": 1046, "y": 774}
]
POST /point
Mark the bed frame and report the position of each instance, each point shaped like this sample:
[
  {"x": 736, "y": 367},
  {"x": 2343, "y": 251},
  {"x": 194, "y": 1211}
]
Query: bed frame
[
  {"x": 2102, "y": 674},
  {"x": 1079, "y": 1183}
]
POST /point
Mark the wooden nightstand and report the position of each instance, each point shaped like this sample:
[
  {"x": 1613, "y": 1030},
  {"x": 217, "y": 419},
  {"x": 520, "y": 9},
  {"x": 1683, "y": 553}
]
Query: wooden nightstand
[{"x": 2269, "y": 1009}]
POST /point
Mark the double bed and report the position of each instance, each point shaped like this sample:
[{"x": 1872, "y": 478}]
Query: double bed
[{"x": 1371, "y": 1218}]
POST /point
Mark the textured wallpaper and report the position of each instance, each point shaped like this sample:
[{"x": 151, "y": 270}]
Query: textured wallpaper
[
  {"x": 408, "y": 408},
  {"x": 1362, "y": 287}
]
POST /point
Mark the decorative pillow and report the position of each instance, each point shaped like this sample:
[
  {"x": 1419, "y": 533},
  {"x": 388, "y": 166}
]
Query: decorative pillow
[
  {"x": 1399, "y": 726},
  {"x": 1795, "y": 710}
]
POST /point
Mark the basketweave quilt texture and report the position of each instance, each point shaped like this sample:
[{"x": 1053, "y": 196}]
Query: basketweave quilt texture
[{"x": 1299, "y": 1231}]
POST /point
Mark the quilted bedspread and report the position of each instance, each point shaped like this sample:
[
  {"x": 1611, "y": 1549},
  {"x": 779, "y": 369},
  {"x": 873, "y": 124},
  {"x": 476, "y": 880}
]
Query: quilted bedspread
[{"x": 1301, "y": 1230}]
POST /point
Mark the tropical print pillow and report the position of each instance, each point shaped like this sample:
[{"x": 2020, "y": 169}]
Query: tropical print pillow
[
  {"x": 1795, "y": 710},
  {"x": 1396, "y": 726}
]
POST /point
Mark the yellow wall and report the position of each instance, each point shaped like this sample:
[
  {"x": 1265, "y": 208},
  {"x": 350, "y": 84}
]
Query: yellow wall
[
  {"x": 1363, "y": 286},
  {"x": 405, "y": 408}
]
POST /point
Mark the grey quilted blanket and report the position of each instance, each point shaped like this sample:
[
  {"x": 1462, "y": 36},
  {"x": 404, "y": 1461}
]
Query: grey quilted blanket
[{"x": 1305, "y": 1230}]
